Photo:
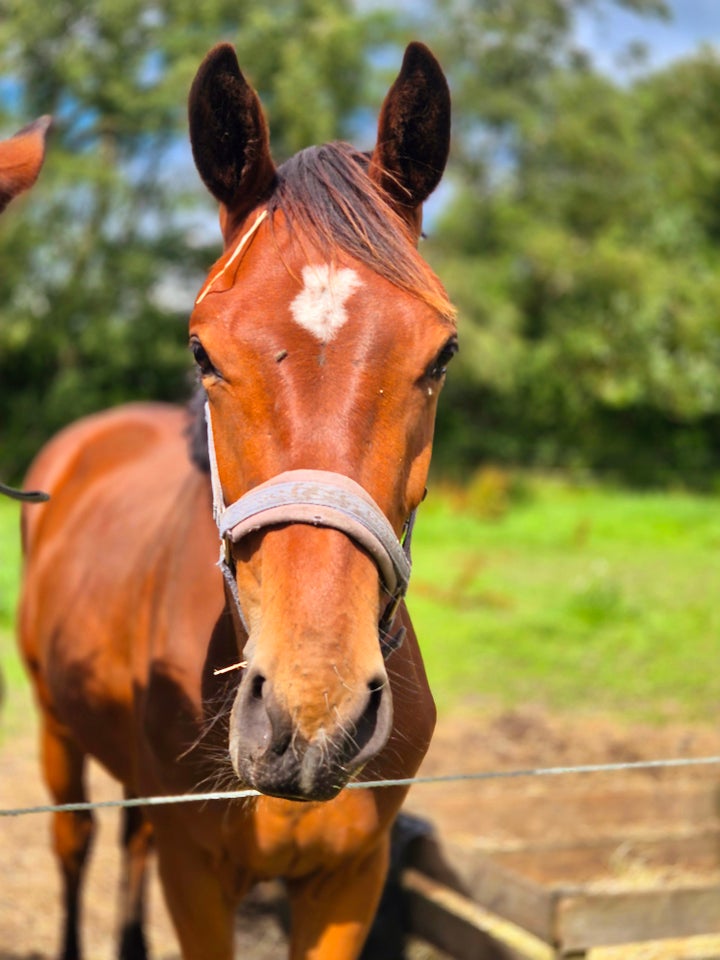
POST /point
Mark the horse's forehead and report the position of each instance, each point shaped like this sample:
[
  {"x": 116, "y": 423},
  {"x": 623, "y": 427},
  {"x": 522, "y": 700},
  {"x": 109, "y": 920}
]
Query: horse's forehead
[
  {"x": 322, "y": 305},
  {"x": 281, "y": 282}
]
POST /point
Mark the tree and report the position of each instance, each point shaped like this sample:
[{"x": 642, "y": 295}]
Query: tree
[
  {"x": 99, "y": 272},
  {"x": 580, "y": 243},
  {"x": 579, "y": 237}
]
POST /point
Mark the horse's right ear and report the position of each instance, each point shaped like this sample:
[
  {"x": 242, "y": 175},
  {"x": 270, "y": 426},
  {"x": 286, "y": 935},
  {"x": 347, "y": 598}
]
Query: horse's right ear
[{"x": 229, "y": 137}]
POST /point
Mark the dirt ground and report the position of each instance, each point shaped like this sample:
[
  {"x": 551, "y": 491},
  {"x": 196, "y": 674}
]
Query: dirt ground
[{"x": 497, "y": 814}]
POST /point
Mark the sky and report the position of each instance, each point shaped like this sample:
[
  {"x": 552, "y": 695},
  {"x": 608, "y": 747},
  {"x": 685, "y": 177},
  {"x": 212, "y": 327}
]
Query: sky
[
  {"x": 693, "y": 22},
  {"x": 607, "y": 34}
]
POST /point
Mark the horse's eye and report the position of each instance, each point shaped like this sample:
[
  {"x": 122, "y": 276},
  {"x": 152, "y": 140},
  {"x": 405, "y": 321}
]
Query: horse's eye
[
  {"x": 438, "y": 368},
  {"x": 205, "y": 364}
]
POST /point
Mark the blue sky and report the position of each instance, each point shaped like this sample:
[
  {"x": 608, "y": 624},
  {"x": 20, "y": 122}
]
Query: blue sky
[{"x": 694, "y": 22}]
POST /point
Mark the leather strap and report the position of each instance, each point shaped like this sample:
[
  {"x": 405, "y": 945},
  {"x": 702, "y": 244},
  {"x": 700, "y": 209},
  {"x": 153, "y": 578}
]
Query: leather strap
[
  {"x": 322, "y": 499},
  {"x": 319, "y": 498}
]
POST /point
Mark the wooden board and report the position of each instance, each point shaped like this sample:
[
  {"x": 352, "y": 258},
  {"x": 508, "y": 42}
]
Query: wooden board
[
  {"x": 577, "y": 917},
  {"x": 453, "y": 923},
  {"x": 588, "y": 920},
  {"x": 486, "y": 883},
  {"x": 687, "y": 948}
]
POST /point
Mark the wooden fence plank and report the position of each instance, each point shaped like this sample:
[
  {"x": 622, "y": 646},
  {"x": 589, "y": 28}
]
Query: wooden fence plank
[
  {"x": 588, "y": 920},
  {"x": 501, "y": 891},
  {"x": 453, "y": 923},
  {"x": 689, "y": 948}
]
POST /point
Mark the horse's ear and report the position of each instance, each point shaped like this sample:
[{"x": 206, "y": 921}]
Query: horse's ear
[
  {"x": 21, "y": 158},
  {"x": 229, "y": 136},
  {"x": 413, "y": 132}
]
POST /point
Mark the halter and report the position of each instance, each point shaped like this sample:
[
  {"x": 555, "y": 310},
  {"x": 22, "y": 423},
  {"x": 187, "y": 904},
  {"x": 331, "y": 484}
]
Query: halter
[{"x": 320, "y": 498}]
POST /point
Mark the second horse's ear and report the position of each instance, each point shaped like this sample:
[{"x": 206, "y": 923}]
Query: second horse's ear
[
  {"x": 229, "y": 137},
  {"x": 21, "y": 158},
  {"x": 413, "y": 132}
]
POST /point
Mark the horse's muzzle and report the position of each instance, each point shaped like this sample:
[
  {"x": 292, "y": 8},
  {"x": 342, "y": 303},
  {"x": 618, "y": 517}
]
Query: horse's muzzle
[{"x": 270, "y": 754}]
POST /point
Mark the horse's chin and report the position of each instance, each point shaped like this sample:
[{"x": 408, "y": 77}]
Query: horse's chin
[{"x": 304, "y": 773}]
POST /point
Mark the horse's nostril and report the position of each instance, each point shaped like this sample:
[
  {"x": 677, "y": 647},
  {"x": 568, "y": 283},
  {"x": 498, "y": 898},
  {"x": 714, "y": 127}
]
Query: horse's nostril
[
  {"x": 281, "y": 743},
  {"x": 256, "y": 688},
  {"x": 376, "y": 684},
  {"x": 372, "y": 709},
  {"x": 366, "y": 723}
]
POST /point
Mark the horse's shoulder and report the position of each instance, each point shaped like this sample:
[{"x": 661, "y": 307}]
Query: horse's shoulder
[{"x": 94, "y": 452}]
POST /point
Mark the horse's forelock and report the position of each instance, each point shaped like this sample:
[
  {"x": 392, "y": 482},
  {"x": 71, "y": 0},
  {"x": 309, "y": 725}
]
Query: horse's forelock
[{"x": 325, "y": 193}]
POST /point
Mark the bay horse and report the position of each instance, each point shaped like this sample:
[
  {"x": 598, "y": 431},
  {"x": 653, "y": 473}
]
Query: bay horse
[
  {"x": 21, "y": 157},
  {"x": 321, "y": 338}
]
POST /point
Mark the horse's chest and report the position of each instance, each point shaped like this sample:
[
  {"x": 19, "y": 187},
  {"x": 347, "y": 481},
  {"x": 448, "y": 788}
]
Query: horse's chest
[{"x": 294, "y": 839}]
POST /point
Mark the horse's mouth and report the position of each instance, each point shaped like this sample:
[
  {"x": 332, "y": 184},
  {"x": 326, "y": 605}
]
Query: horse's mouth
[
  {"x": 294, "y": 768},
  {"x": 307, "y": 776},
  {"x": 269, "y": 751}
]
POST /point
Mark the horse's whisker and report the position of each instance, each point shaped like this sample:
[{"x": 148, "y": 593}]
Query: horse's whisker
[{"x": 234, "y": 666}]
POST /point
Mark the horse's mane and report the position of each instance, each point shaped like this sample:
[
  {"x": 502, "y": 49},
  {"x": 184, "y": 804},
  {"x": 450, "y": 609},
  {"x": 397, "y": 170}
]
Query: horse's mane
[
  {"x": 196, "y": 430},
  {"x": 329, "y": 201}
]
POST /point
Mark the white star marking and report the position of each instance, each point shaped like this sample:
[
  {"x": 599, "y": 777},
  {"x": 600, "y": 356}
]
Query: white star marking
[{"x": 320, "y": 306}]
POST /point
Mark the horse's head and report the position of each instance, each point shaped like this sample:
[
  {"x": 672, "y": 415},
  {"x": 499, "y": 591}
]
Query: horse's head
[{"x": 322, "y": 339}]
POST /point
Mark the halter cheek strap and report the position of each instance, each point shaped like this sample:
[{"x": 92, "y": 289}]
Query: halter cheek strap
[{"x": 319, "y": 498}]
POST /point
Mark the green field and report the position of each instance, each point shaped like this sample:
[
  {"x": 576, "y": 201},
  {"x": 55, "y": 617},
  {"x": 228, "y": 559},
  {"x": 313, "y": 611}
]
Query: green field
[{"x": 567, "y": 596}]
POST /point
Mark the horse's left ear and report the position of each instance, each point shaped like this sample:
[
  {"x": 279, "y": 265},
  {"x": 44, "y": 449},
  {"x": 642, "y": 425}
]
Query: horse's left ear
[
  {"x": 229, "y": 137},
  {"x": 413, "y": 132}
]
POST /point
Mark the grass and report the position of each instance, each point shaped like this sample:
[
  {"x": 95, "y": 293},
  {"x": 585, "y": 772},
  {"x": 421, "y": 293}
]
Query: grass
[
  {"x": 571, "y": 597},
  {"x": 9, "y": 580},
  {"x": 576, "y": 598}
]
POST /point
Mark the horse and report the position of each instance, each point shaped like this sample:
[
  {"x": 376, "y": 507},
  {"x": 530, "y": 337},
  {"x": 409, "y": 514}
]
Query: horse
[
  {"x": 321, "y": 339},
  {"x": 21, "y": 157}
]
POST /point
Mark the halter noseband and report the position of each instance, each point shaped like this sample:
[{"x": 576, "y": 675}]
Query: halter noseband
[{"x": 320, "y": 498}]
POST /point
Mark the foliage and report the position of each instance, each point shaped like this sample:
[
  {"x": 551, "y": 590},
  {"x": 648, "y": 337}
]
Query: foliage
[
  {"x": 581, "y": 246},
  {"x": 100, "y": 265},
  {"x": 9, "y": 561},
  {"x": 580, "y": 237}
]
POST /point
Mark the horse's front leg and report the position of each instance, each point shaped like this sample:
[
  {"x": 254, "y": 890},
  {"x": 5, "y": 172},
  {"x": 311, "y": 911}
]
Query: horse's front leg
[
  {"x": 64, "y": 771},
  {"x": 136, "y": 840},
  {"x": 333, "y": 911},
  {"x": 201, "y": 905}
]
